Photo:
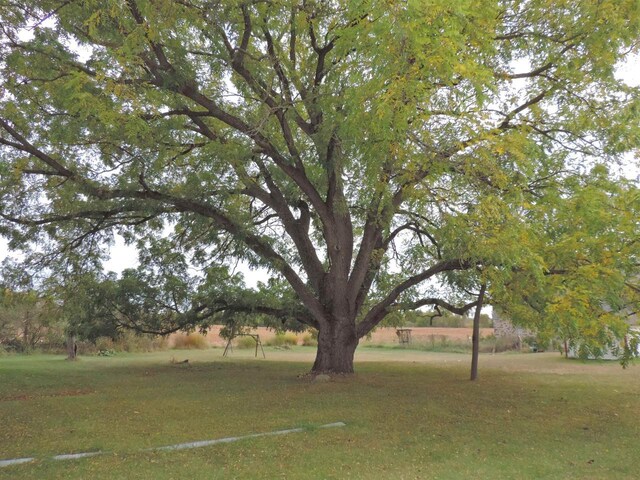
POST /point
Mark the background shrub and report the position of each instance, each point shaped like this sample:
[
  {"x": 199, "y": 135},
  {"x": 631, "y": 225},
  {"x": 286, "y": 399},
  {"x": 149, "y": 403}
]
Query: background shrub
[
  {"x": 190, "y": 341},
  {"x": 493, "y": 344},
  {"x": 245, "y": 342},
  {"x": 309, "y": 340},
  {"x": 127, "y": 341},
  {"x": 135, "y": 342},
  {"x": 447, "y": 320},
  {"x": 442, "y": 343},
  {"x": 281, "y": 339},
  {"x": 104, "y": 343}
]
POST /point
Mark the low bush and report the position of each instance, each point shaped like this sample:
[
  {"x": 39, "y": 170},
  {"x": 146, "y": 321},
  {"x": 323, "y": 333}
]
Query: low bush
[
  {"x": 282, "y": 339},
  {"x": 243, "y": 342},
  {"x": 493, "y": 344},
  {"x": 190, "y": 341},
  {"x": 432, "y": 343},
  {"x": 442, "y": 343},
  {"x": 309, "y": 340},
  {"x": 452, "y": 321},
  {"x": 422, "y": 319},
  {"x": 128, "y": 341},
  {"x": 104, "y": 344},
  {"x": 134, "y": 342},
  {"x": 290, "y": 338}
]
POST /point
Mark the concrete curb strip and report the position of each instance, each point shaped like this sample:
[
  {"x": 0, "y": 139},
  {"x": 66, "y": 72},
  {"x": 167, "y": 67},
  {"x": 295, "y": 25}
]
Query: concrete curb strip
[
  {"x": 73, "y": 456},
  {"x": 178, "y": 446},
  {"x": 15, "y": 461}
]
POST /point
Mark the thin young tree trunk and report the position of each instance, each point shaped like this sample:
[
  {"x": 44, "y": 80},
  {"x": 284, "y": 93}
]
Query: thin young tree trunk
[
  {"x": 71, "y": 347},
  {"x": 476, "y": 334}
]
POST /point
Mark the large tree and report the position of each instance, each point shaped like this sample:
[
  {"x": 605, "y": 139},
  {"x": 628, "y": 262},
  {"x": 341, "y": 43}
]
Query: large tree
[{"x": 373, "y": 155}]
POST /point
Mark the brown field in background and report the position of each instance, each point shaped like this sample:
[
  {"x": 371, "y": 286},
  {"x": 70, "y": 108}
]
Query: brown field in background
[{"x": 385, "y": 335}]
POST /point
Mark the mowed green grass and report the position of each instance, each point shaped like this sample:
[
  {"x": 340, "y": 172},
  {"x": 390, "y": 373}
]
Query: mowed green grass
[{"x": 418, "y": 416}]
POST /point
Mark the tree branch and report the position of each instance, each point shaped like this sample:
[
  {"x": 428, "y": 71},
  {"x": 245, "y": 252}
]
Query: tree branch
[{"x": 377, "y": 313}]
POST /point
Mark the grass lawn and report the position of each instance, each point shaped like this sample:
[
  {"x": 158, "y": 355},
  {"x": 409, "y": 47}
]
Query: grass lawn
[{"x": 408, "y": 414}]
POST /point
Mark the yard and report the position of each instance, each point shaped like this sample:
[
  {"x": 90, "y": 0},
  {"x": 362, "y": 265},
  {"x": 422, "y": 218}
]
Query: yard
[{"x": 407, "y": 414}]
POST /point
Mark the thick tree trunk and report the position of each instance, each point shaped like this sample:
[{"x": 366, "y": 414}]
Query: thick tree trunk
[{"x": 337, "y": 344}]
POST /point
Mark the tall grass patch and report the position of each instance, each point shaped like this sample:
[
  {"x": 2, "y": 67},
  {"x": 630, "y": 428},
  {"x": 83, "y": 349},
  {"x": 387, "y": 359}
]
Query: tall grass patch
[
  {"x": 190, "y": 341},
  {"x": 283, "y": 339},
  {"x": 127, "y": 342},
  {"x": 244, "y": 342},
  {"x": 309, "y": 339},
  {"x": 443, "y": 343}
]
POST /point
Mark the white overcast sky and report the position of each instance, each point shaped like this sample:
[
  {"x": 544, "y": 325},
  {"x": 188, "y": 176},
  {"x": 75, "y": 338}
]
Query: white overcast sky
[{"x": 123, "y": 256}]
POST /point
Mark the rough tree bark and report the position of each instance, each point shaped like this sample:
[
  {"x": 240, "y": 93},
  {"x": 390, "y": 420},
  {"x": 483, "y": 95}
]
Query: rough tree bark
[{"x": 337, "y": 343}]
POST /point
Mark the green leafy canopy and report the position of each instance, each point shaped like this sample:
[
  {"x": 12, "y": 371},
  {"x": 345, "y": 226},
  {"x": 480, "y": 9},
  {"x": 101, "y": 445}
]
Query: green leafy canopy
[{"x": 363, "y": 152}]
